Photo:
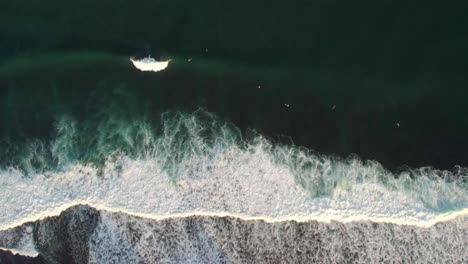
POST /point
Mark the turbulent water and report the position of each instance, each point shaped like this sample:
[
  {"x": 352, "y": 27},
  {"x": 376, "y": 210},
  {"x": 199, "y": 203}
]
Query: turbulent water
[
  {"x": 84, "y": 235},
  {"x": 198, "y": 169}
]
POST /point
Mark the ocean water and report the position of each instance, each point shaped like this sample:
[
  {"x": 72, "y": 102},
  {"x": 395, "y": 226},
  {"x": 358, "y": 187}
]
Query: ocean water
[
  {"x": 196, "y": 165},
  {"x": 329, "y": 132}
]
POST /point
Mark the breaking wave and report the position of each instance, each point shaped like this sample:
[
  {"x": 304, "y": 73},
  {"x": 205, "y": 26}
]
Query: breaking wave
[{"x": 195, "y": 164}]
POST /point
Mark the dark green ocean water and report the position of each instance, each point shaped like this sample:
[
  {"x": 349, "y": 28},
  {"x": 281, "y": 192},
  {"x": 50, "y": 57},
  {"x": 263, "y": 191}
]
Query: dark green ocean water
[{"x": 386, "y": 80}]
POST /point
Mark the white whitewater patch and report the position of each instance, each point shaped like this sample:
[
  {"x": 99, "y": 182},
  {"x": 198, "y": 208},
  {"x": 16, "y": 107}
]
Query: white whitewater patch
[
  {"x": 238, "y": 183},
  {"x": 150, "y": 64}
]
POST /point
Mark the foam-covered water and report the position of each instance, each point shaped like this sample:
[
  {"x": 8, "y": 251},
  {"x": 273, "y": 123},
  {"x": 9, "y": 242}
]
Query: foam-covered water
[
  {"x": 82, "y": 234},
  {"x": 203, "y": 239},
  {"x": 21, "y": 242},
  {"x": 198, "y": 165}
]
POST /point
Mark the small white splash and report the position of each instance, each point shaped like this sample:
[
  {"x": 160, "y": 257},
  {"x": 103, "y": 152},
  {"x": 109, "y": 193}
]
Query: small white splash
[{"x": 150, "y": 64}]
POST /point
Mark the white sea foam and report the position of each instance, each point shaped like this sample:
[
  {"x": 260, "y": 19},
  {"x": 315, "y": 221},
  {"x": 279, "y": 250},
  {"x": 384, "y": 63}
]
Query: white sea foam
[
  {"x": 19, "y": 244},
  {"x": 150, "y": 64},
  {"x": 28, "y": 251},
  {"x": 124, "y": 238},
  {"x": 190, "y": 174}
]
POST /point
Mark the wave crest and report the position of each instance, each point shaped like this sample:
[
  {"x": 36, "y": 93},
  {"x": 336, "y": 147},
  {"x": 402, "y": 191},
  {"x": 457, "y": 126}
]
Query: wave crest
[{"x": 196, "y": 163}]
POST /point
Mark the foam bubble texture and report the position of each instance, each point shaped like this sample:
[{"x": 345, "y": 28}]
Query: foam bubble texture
[{"x": 202, "y": 239}]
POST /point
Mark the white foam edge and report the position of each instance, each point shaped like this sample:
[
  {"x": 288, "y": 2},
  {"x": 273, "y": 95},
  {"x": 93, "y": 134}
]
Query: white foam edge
[
  {"x": 382, "y": 220},
  {"x": 27, "y": 253}
]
